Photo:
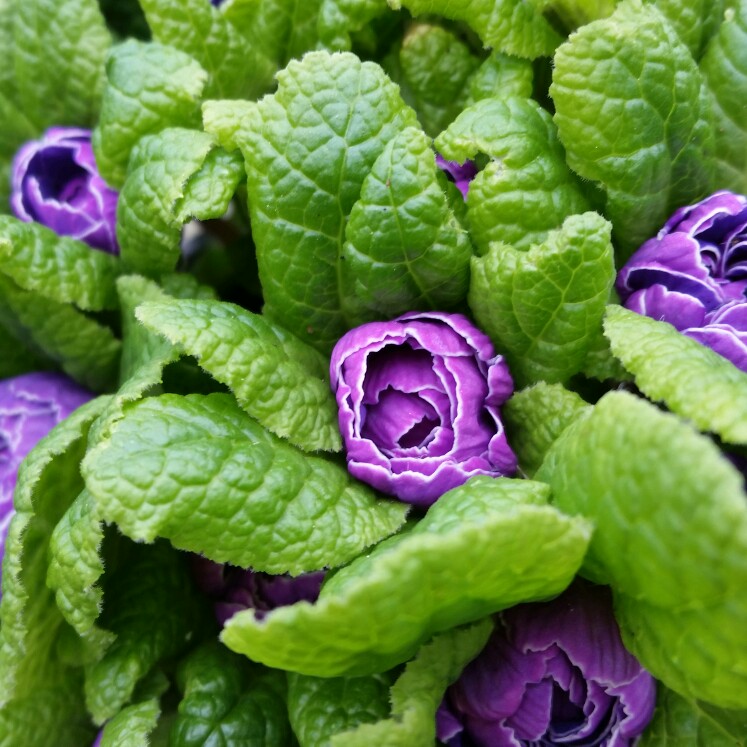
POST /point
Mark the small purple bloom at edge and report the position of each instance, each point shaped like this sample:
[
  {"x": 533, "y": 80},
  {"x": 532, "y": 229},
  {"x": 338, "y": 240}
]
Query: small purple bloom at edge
[
  {"x": 459, "y": 173},
  {"x": 55, "y": 182},
  {"x": 419, "y": 404}
]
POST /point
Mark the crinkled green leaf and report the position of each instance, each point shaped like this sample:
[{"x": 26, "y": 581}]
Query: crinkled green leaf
[
  {"x": 501, "y": 76},
  {"x": 16, "y": 130},
  {"x": 320, "y": 707},
  {"x": 632, "y": 115},
  {"x": 58, "y": 56},
  {"x": 724, "y": 67},
  {"x": 670, "y": 538},
  {"x": 237, "y": 67},
  {"x": 151, "y": 606},
  {"x": 7, "y": 74},
  {"x": 404, "y": 247},
  {"x": 535, "y": 418},
  {"x": 226, "y": 701},
  {"x": 526, "y": 189},
  {"x": 202, "y": 473},
  {"x": 226, "y": 120},
  {"x": 696, "y": 21},
  {"x": 57, "y": 267},
  {"x": 74, "y": 570},
  {"x": 679, "y": 722},
  {"x": 279, "y": 380},
  {"x": 436, "y": 66},
  {"x": 418, "y": 692},
  {"x": 484, "y": 546},
  {"x": 541, "y": 307},
  {"x": 149, "y": 87},
  {"x": 339, "y": 19},
  {"x": 48, "y": 482},
  {"x": 84, "y": 349},
  {"x": 515, "y": 27},
  {"x": 132, "y": 726},
  {"x": 308, "y": 149},
  {"x": 149, "y": 220},
  {"x": 600, "y": 363},
  {"x": 690, "y": 378}
]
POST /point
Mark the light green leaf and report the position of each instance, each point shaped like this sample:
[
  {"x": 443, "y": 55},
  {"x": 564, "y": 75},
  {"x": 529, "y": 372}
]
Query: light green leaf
[
  {"x": 48, "y": 482},
  {"x": 152, "y": 608},
  {"x": 404, "y": 247},
  {"x": 515, "y": 27},
  {"x": 320, "y": 707},
  {"x": 526, "y": 190},
  {"x": 308, "y": 149},
  {"x": 200, "y": 472},
  {"x": 484, "y": 546},
  {"x": 237, "y": 67},
  {"x": 632, "y": 115},
  {"x": 279, "y": 380},
  {"x": 670, "y": 538},
  {"x": 85, "y": 350},
  {"x": 536, "y": 417},
  {"x": 8, "y": 87},
  {"x": 724, "y": 67},
  {"x": 691, "y": 379},
  {"x": 679, "y": 722},
  {"x": 57, "y": 267},
  {"x": 58, "y": 55},
  {"x": 696, "y": 21},
  {"x": 74, "y": 570},
  {"x": 132, "y": 726},
  {"x": 542, "y": 307},
  {"x": 501, "y": 76},
  {"x": 436, "y": 66},
  {"x": 149, "y": 214},
  {"x": 229, "y": 702},
  {"x": 339, "y": 19},
  {"x": 149, "y": 87}
]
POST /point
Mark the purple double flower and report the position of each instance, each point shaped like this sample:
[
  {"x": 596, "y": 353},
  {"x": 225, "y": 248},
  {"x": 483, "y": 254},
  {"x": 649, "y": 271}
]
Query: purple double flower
[
  {"x": 554, "y": 673},
  {"x": 55, "y": 182},
  {"x": 693, "y": 274}
]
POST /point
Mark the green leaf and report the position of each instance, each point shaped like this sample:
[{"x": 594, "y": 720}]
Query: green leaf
[
  {"x": 308, "y": 149},
  {"x": 542, "y": 307},
  {"x": 320, "y": 707},
  {"x": 85, "y": 350},
  {"x": 58, "y": 55},
  {"x": 501, "y": 76},
  {"x": 57, "y": 267},
  {"x": 436, "y": 66},
  {"x": 416, "y": 695},
  {"x": 690, "y": 378},
  {"x": 74, "y": 570},
  {"x": 149, "y": 87},
  {"x": 149, "y": 220},
  {"x": 48, "y": 482},
  {"x": 8, "y": 88},
  {"x": 632, "y": 115},
  {"x": 200, "y": 472},
  {"x": 228, "y": 702},
  {"x": 679, "y": 722},
  {"x": 237, "y": 68},
  {"x": 515, "y": 27},
  {"x": 132, "y": 726},
  {"x": 526, "y": 190},
  {"x": 404, "y": 247},
  {"x": 153, "y": 610},
  {"x": 724, "y": 67},
  {"x": 696, "y": 21},
  {"x": 482, "y": 547},
  {"x": 339, "y": 19},
  {"x": 670, "y": 538},
  {"x": 17, "y": 358},
  {"x": 279, "y": 380},
  {"x": 536, "y": 417}
]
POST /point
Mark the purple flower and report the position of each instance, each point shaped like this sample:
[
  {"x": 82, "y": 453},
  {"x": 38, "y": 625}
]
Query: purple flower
[
  {"x": 693, "y": 274},
  {"x": 459, "y": 173},
  {"x": 30, "y": 406},
  {"x": 55, "y": 182},
  {"x": 555, "y": 673},
  {"x": 419, "y": 402},
  {"x": 234, "y": 589}
]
